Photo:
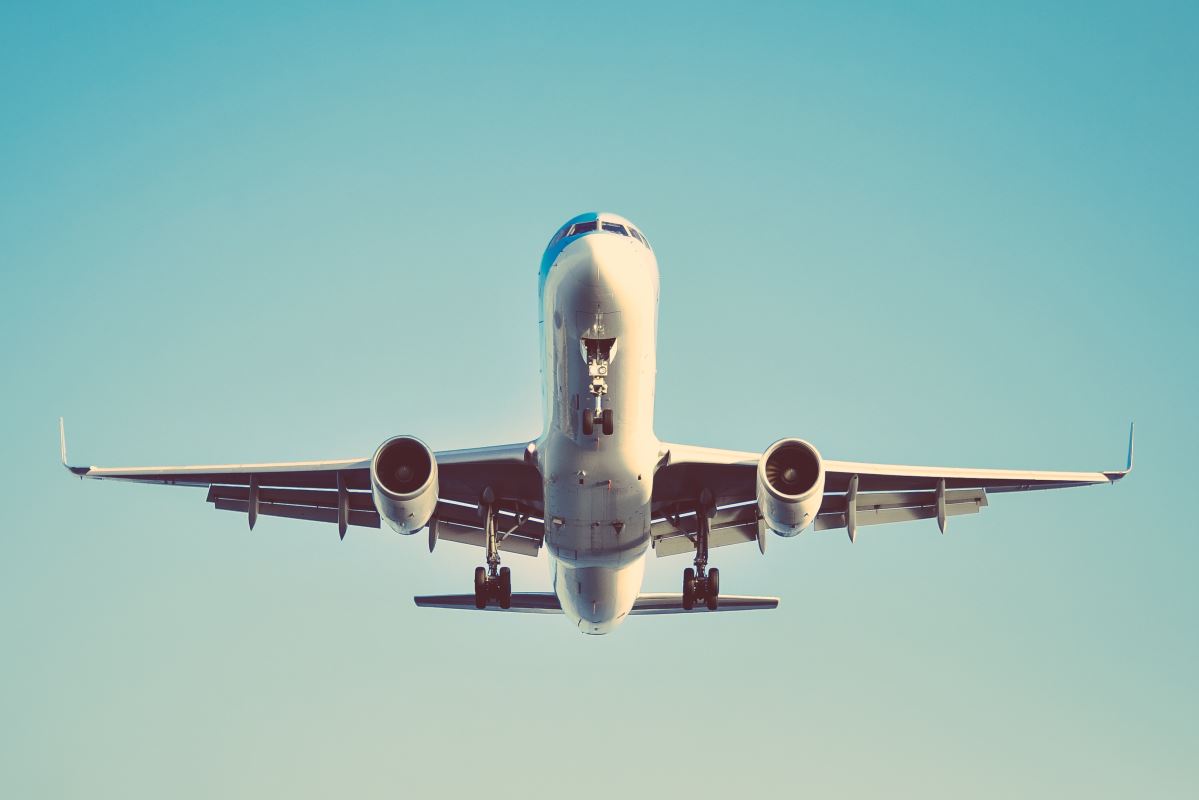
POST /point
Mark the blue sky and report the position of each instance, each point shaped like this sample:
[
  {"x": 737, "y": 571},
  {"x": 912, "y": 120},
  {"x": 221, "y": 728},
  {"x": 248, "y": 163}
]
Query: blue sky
[{"x": 940, "y": 235}]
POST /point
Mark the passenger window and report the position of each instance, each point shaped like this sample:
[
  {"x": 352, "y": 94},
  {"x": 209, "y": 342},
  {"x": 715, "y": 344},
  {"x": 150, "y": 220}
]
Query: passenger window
[
  {"x": 615, "y": 228},
  {"x": 583, "y": 227}
]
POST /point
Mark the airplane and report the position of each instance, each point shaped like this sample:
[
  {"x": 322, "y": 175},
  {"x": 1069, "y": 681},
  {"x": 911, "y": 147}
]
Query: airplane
[{"x": 597, "y": 489}]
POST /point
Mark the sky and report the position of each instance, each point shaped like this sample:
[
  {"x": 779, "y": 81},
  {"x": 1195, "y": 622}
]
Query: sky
[{"x": 945, "y": 234}]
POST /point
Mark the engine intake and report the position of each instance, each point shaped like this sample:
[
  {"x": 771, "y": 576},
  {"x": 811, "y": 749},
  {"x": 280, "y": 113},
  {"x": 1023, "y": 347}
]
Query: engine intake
[
  {"x": 404, "y": 483},
  {"x": 790, "y": 485}
]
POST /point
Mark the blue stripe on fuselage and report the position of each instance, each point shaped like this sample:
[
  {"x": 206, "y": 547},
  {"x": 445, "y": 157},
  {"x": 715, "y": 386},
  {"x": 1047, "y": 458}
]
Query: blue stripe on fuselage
[
  {"x": 556, "y": 245},
  {"x": 555, "y": 249}
]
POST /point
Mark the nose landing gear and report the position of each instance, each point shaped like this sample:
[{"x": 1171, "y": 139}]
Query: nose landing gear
[
  {"x": 590, "y": 417},
  {"x": 700, "y": 583},
  {"x": 493, "y": 582},
  {"x": 599, "y": 354}
]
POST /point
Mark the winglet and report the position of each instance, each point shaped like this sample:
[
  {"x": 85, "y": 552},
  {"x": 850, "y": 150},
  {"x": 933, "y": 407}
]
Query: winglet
[
  {"x": 1118, "y": 474},
  {"x": 62, "y": 451},
  {"x": 1132, "y": 426}
]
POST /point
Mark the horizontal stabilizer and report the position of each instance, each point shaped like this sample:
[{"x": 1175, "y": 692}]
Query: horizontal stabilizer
[
  {"x": 667, "y": 603},
  {"x": 522, "y": 602},
  {"x": 547, "y": 603}
]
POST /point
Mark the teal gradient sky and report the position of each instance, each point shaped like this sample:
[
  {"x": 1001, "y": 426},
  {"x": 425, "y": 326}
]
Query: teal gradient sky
[{"x": 940, "y": 236}]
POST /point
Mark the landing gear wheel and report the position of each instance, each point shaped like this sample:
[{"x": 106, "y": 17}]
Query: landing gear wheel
[
  {"x": 712, "y": 596},
  {"x": 688, "y": 589},
  {"x": 505, "y": 587},
  {"x": 588, "y": 422},
  {"x": 607, "y": 421},
  {"x": 480, "y": 587}
]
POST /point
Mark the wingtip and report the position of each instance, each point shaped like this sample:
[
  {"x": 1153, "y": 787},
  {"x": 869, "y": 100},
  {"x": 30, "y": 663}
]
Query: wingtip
[
  {"x": 62, "y": 451},
  {"x": 62, "y": 441},
  {"x": 1118, "y": 474},
  {"x": 1132, "y": 427}
]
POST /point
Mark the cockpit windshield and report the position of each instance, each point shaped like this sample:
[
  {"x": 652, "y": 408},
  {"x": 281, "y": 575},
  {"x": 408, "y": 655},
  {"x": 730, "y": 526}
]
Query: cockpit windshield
[{"x": 593, "y": 225}]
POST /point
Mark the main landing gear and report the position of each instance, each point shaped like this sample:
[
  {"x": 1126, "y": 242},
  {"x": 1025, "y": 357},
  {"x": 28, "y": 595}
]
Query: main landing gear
[
  {"x": 491, "y": 585},
  {"x": 493, "y": 582},
  {"x": 700, "y": 583}
]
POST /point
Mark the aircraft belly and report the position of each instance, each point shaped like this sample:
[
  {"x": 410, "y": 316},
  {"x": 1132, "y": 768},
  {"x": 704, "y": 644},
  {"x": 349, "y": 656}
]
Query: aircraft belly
[
  {"x": 604, "y": 524},
  {"x": 598, "y": 486}
]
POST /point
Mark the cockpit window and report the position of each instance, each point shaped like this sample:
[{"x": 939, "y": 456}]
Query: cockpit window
[{"x": 591, "y": 225}]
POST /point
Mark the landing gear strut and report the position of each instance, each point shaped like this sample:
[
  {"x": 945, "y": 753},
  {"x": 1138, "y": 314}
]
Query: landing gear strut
[
  {"x": 701, "y": 583},
  {"x": 492, "y": 582},
  {"x": 599, "y": 353}
]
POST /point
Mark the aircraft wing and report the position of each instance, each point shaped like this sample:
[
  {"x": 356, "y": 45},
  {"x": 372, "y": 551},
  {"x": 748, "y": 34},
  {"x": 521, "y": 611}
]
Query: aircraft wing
[
  {"x": 339, "y": 491},
  {"x": 884, "y": 493}
]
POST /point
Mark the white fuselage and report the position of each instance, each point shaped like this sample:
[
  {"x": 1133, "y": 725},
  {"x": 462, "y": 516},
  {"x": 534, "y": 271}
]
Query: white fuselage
[{"x": 600, "y": 286}]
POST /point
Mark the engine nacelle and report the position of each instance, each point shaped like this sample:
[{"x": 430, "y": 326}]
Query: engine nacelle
[
  {"x": 404, "y": 483},
  {"x": 790, "y": 486}
]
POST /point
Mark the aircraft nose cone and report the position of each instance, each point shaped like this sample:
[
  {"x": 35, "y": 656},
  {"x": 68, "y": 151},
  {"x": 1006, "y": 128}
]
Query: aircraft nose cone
[
  {"x": 605, "y": 268},
  {"x": 600, "y": 260}
]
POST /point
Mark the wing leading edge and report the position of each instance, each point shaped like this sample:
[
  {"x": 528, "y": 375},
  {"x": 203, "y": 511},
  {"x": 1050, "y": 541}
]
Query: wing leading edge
[
  {"x": 880, "y": 493},
  {"x": 339, "y": 491}
]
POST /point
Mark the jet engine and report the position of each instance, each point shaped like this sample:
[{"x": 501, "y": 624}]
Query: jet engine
[
  {"x": 404, "y": 483},
  {"x": 790, "y": 486}
]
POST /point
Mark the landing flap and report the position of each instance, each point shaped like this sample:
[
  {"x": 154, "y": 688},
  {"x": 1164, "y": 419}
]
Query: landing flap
[{"x": 675, "y": 545}]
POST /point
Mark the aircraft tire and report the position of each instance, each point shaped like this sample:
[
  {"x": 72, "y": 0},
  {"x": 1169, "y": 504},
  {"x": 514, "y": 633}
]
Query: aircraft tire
[
  {"x": 606, "y": 418},
  {"x": 688, "y": 589},
  {"x": 712, "y": 596},
  {"x": 505, "y": 587},
  {"x": 480, "y": 587},
  {"x": 588, "y": 422}
]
